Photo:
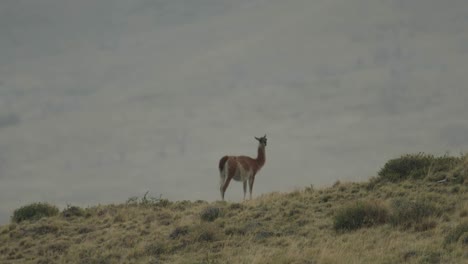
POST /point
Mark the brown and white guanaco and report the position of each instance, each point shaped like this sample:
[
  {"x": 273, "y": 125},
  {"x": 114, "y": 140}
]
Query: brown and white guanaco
[{"x": 242, "y": 168}]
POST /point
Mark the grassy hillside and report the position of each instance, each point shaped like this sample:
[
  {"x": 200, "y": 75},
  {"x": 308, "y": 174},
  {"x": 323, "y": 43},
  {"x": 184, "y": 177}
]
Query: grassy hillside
[{"x": 415, "y": 211}]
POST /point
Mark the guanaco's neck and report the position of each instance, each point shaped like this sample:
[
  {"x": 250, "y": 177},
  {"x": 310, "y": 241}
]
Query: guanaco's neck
[{"x": 261, "y": 155}]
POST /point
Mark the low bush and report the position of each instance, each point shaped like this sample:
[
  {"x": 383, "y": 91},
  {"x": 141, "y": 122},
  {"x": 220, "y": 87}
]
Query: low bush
[
  {"x": 34, "y": 211},
  {"x": 207, "y": 232},
  {"x": 360, "y": 214},
  {"x": 179, "y": 232},
  {"x": 147, "y": 200},
  {"x": 416, "y": 166},
  {"x": 407, "y": 213},
  {"x": 156, "y": 248},
  {"x": 73, "y": 211},
  {"x": 210, "y": 213},
  {"x": 43, "y": 229},
  {"x": 461, "y": 230},
  {"x": 234, "y": 230}
]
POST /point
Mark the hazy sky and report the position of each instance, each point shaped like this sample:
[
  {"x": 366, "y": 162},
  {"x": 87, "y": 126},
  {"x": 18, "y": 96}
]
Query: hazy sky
[{"x": 104, "y": 100}]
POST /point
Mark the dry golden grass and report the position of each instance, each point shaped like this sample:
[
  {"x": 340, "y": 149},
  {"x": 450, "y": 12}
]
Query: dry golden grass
[{"x": 294, "y": 227}]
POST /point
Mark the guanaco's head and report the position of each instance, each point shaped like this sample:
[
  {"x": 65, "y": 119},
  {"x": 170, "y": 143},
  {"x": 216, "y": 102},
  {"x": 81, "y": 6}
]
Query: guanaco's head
[{"x": 262, "y": 140}]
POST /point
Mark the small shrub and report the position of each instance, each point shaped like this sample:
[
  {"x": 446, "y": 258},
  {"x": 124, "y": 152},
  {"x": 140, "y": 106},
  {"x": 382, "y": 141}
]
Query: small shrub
[
  {"x": 416, "y": 166},
  {"x": 460, "y": 175},
  {"x": 407, "y": 213},
  {"x": 455, "y": 189},
  {"x": 60, "y": 246},
  {"x": 464, "y": 239},
  {"x": 120, "y": 218},
  {"x": 431, "y": 257},
  {"x": 178, "y": 232},
  {"x": 85, "y": 229},
  {"x": 207, "y": 233},
  {"x": 236, "y": 206},
  {"x": 455, "y": 234},
  {"x": 73, "y": 211},
  {"x": 210, "y": 214},
  {"x": 360, "y": 214},
  {"x": 44, "y": 229},
  {"x": 45, "y": 260},
  {"x": 147, "y": 200},
  {"x": 234, "y": 231},
  {"x": 336, "y": 184},
  {"x": 409, "y": 254},
  {"x": 325, "y": 198},
  {"x": 372, "y": 183},
  {"x": 34, "y": 211},
  {"x": 182, "y": 205},
  {"x": 164, "y": 202},
  {"x": 206, "y": 236},
  {"x": 156, "y": 249},
  {"x": 425, "y": 225},
  {"x": 309, "y": 188},
  {"x": 165, "y": 218},
  {"x": 132, "y": 200},
  {"x": 263, "y": 235},
  {"x": 91, "y": 255},
  {"x": 464, "y": 213}
]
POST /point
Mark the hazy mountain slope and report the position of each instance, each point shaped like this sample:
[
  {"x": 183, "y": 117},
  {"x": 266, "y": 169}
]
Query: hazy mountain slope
[{"x": 113, "y": 98}]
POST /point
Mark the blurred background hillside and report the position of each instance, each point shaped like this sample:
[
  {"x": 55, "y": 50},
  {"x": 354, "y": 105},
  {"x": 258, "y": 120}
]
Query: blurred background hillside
[{"x": 103, "y": 100}]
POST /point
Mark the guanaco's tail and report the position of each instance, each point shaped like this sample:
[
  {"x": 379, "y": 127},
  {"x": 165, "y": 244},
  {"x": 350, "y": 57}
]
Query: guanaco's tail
[
  {"x": 222, "y": 172},
  {"x": 222, "y": 162}
]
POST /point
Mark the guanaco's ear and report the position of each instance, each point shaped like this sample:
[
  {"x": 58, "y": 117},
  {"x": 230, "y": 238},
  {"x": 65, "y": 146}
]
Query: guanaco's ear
[{"x": 257, "y": 138}]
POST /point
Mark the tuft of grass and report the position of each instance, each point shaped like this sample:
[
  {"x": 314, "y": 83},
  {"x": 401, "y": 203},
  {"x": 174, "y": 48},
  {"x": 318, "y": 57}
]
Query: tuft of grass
[
  {"x": 148, "y": 201},
  {"x": 44, "y": 229},
  {"x": 94, "y": 256},
  {"x": 57, "y": 247},
  {"x": 262, "y": 235},
  {"x": 73, "y": 211},
  {"x": 156, "y": 248},
  {"x": 360, "y": 214},
  {"x": 431, "y": 257},
  {"x": 460, "y": 231},
  {"x": 407, "y": 213},
  {"x": 236, "y": 206},
  {"x": 179, "y": 232},
  {"x": 210, "y": 213},
  {"x": 34, "y": 211},
  {"x": 207, "y": 232}
]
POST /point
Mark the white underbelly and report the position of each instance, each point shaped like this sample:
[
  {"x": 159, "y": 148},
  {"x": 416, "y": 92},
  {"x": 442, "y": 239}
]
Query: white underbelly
[{"x": 242, "y": 174}]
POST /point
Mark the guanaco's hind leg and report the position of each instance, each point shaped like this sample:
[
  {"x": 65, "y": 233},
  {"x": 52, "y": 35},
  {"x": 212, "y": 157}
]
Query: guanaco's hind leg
[
  {"x": 221, "y": 185},
  {"x": 225, "y": 185},
  {"x": 222, "y": 179},
  {"x": 245, "y": 187}
]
